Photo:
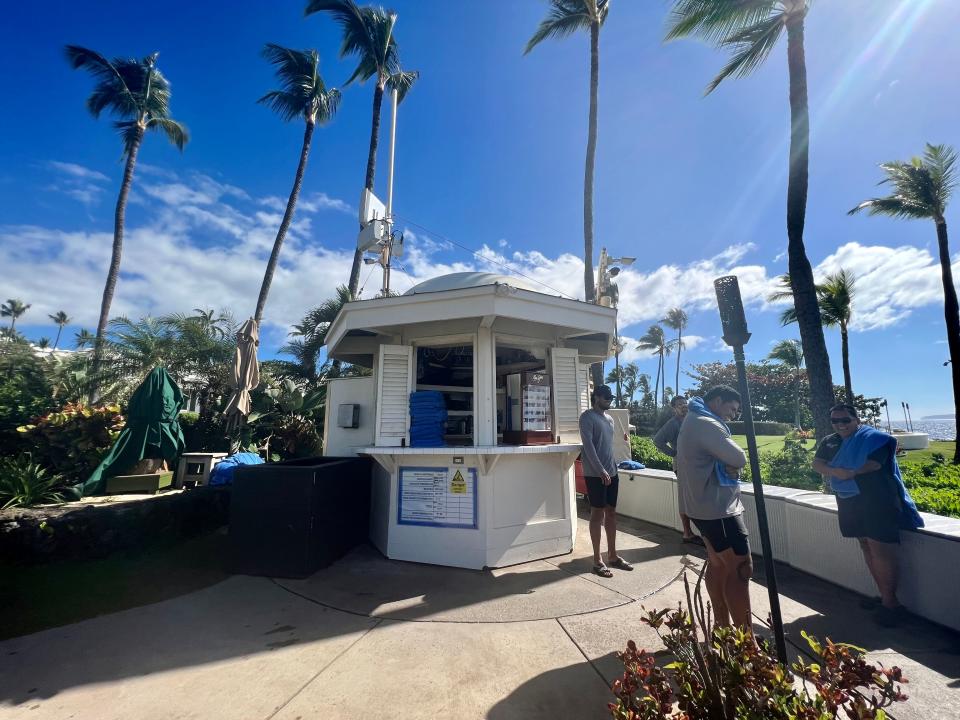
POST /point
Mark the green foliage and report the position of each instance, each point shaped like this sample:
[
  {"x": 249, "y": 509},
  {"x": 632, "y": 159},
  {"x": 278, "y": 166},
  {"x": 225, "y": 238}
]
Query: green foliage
[
  {"x": 72, "y": 441},
  {"x": 934, "y": 487},
  {"x": 25, "y": 391},
  {"x": 722, "y": 673},
  {"x": 285, "y": 419},
  {"x": 643, "y": 450},
  {"x": 791, "y": 466},
  {"x": 773, "y": 389},
  {"x": 24, "y": 483}
]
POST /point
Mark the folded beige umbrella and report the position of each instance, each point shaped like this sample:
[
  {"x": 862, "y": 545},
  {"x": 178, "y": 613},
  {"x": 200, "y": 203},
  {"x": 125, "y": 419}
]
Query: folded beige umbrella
[{"x": 246, "y": 375}]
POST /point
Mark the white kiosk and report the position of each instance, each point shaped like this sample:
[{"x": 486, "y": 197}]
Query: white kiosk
[{"x": 512, "y": 365}]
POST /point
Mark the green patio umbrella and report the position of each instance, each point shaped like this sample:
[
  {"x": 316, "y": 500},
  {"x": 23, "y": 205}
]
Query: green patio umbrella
[{"x": 152, "y": 431}]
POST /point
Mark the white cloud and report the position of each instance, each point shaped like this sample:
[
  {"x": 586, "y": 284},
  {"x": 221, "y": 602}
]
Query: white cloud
[
  {"x": 891, "y": 282},
  {"x": 77, "y": 171},
  {"x": 322, "y": 201}
]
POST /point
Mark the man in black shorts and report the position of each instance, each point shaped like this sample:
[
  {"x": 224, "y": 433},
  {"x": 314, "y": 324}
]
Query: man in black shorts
[
  {"x": 600, "y": 475},
  {"x": 861, "y": 465},
  {"x": 708, "y": 463}
]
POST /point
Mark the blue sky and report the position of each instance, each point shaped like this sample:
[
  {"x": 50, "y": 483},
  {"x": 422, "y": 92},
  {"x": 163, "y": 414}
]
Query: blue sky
[{"x": 490, "y": 156}]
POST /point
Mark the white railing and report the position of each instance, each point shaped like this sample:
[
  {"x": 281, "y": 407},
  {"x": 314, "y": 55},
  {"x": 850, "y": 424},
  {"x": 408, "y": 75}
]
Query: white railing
[{"x": 804, "y": 534}]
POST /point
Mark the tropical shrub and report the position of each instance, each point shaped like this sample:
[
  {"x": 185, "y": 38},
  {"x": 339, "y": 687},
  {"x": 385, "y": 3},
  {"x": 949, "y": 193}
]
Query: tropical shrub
[
  {"x": 644, "y": 451},
  {"x": 73, "y": 440},
  {"x": 24, "y": 483},
  {"x": 791, "y": 466},
  {"x": 25, "y": 391},
  {"x": 728, "y": 676},
  {"x": 934, "y": 487}
]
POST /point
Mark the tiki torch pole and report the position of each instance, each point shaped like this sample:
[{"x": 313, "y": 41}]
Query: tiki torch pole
[{"x": 735, "y": 335}]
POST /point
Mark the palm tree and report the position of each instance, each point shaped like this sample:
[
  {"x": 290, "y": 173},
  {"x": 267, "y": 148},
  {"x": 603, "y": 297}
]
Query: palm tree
[
  {"x": 564, "y": 18},
  {"x": 310, "y": 337},
  {"x": 921, "y": 190},
  {"x": 83, "y": 338},
  {"x": 13, "y": 308},
  {"x": 655, "y": 341},
  {"x": 61, "y": 320},
  {"x": 368, "y": 34},
  {"x": 676, "y": 319},
  {"x": 750, "y": 29},
  {"x": 790, "y": 353},
  {"x": 303, "y": 96},
  {"x": 835, "y": 298},
  {"x": 138, "y": 94},
  {"x": 43, "y": 343}
]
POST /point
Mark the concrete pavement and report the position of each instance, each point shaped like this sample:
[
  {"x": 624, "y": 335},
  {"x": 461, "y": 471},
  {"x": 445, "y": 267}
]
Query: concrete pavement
[{"x": 369, "y": 636}]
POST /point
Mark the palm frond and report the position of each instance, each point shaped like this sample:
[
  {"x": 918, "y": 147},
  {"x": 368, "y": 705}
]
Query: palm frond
[
  {"x": 751, "y": 47},
  {"x": 715, "y": 20},
  {"x": 402, "y": 81},
  {"x": 111, "y": 89},
  {"x": 564, "y": 18},
  {"x": 893, "y": 207},
  {"x": 289, "y": 106},
  {"x": 367, "y": 34},
  {"x": 176, "y": 133}
]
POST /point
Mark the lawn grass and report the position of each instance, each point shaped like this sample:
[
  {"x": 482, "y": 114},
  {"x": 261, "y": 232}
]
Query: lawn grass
[
  {"x": 38, "y": 597},
  {"x": 772, "y": 443}
]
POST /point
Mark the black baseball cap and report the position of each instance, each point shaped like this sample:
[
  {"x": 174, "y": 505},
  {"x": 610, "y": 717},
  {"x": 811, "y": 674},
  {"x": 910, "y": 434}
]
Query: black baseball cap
[{"x": 603, "y": 391}]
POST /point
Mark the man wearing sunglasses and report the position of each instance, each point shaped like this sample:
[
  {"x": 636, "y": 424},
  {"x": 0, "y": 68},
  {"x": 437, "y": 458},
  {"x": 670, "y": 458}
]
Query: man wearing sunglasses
[{"x": 872, "y": 503}]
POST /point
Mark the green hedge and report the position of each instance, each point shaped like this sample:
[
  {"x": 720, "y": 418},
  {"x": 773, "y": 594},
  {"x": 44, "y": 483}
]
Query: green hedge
[
  {"x": 738, "y": 427},
  {"x": 644, "y": 451}
]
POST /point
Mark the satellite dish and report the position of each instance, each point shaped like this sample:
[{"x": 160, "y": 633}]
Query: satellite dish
[{"x": 371, "y": 208}]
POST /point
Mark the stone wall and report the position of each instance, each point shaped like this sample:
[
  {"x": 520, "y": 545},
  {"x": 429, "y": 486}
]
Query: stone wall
[{"x": 84, "y": 530}]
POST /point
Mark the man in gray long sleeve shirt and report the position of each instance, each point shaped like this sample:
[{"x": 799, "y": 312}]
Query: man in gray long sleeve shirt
[
  {"x": 666, "y": 442},
  {"x": 709, "y": 461},
  {"x": 600, "y": 475}
]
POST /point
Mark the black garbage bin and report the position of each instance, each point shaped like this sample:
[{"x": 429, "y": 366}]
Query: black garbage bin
[{"x": 290, "y": 519}]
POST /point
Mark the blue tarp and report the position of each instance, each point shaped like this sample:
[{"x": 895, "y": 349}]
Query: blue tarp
[{"x": 222, "y": 473}]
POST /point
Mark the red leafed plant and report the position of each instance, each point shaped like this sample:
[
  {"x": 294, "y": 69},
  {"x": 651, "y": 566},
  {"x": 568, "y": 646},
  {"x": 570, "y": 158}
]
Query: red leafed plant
[{"x": 722, "y": 673}]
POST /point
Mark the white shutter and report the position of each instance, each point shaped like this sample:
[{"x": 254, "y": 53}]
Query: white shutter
[
  {"x": 566, "y": 393},
  {"x": 583, "y": 375},
  {"x": 394, "y": 380}
]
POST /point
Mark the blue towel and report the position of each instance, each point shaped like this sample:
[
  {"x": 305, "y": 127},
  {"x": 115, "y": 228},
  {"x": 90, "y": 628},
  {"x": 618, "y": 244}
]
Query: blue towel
[
  {"x": 697, "y": 406},
  {"x": 631, "y": 465},
  {"x": 853, "y": 453}
]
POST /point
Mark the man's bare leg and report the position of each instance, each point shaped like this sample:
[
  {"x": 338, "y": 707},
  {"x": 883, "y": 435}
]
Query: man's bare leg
[
  {"x": 884, "y": 571},
  {"x": 736, "y": 588},
  {"x": 687, "y": 530},
  {"x": 610, "y": 525},
  {"x": 596, "y": 524},
  {"x": 715, "y": 580}
]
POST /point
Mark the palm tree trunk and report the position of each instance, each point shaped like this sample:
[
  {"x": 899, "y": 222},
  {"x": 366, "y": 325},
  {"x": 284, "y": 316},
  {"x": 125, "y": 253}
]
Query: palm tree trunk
[
  {"x": 656, "y": 386},
  {"x": 588, "y": 288},
  {"x": 951, "y": 313},
  {"x": 114, "y": 272},
  {"x": 796, "y": 397},
  {"x": 57, "y": 341},
  {"x": 285, "y": 223},
  {"x": 845, "y": 354},
  {"x": 676, "y": 389},
  {"x": 801, "y": 274},
  {"x": 368, "y": 183}
]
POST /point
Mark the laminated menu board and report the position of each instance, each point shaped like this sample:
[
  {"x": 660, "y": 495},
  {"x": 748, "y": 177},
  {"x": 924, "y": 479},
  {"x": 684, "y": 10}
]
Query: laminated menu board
[
  {"x": 438, "y": 497},
  {"x": 536, "y": 401}
]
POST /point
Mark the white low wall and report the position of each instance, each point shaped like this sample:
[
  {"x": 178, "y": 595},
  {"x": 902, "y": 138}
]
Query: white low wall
[{"x": 804, "y": 534}]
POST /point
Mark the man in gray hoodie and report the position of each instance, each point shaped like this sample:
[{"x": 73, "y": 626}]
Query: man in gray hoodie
[{"x": 709, "y": 461}]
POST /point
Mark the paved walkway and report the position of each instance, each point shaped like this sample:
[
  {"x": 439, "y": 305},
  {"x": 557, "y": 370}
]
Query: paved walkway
[{"x": 369, "y": 637}]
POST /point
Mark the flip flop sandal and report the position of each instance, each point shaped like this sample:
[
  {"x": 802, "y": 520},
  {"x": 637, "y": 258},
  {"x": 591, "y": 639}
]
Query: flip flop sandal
[
  {"x": 621, "y": 564},
  {"x": 602, "y": 571}
]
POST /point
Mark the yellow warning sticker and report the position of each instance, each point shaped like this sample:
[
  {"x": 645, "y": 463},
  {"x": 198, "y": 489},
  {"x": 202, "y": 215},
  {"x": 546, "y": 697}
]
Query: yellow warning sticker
[{"x": 458, "y": 486}]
